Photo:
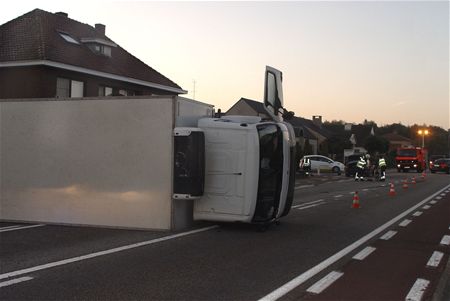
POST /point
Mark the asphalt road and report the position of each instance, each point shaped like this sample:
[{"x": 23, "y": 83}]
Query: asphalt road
[{"x": 236, "y": 262}]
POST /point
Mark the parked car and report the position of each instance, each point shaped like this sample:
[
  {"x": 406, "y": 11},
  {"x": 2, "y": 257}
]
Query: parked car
[
  {"x": 350, "y": 165},
  {"x": 323, "y": 163},
  {"x": 434, "y": 158},
  {"x": 440, "y": 165}
]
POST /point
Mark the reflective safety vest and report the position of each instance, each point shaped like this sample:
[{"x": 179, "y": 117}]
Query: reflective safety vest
[
  {"x": 361, "y": 163},
  {"x": 381, "y": 162},
  {"x": 306, "y": 162}
]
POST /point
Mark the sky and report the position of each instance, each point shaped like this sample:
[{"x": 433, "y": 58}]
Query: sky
[{"x": 355, "y": 60}]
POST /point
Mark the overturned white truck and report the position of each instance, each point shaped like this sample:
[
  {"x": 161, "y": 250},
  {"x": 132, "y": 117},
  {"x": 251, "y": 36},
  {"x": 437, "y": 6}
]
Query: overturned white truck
[{"x": 238, "y": 168}]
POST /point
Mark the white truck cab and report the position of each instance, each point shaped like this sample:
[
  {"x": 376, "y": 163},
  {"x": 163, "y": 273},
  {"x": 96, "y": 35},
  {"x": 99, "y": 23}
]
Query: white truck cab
[{"x": 246, "y": 173}]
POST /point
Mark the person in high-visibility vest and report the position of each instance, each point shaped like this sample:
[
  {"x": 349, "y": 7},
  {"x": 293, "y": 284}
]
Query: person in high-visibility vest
[
  {"x": 382, "y": 168},
  {"x": 306, "y": 165},
  {"x": 360, "y": 169}
]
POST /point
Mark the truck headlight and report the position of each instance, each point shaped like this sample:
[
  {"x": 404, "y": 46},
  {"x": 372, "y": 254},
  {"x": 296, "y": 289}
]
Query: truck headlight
[
  {"x": 415, "y": 165},
  {"x": 398, "y": 165}
]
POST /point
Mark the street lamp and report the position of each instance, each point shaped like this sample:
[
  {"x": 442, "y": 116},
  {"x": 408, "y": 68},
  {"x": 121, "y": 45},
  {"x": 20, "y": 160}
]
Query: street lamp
[{"x": 423, "y": 133}]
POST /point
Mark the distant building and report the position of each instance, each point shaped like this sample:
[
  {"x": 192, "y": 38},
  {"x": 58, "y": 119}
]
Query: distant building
[
  {"x": 307, "y": 132},
  {"x": 248, "y": 107},
  {"x": 50, "y": 55},
  {"x": 396, "y": 141}
]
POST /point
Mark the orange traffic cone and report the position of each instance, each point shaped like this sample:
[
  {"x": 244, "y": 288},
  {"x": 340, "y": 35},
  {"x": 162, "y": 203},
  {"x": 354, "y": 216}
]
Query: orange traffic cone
[
  {"x": 423, "y": 175},
  {"x": 413, "y": 181},
  {"x": 391, "y": 189},
  {"x": 355, "y": 200},
  {"x": 405, "y": 184}
]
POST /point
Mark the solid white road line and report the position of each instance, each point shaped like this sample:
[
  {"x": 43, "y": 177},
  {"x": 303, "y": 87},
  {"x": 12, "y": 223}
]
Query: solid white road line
[
  {"x": 325, "y": 282},
  {"x": 101, "y": 253},
  {"x": 426, "y": 207},
  {"x": 300, "y": 279},
  {"x": 307, "y": 203},
  {"x": 14, "y": 281},
  {"x": 417, "y": 213},
  {"x": 303, "y": 186},
  {"x": 405, "y": 223},
  {"x": 21, "y": 228},
  {"x": 10, "y": 227},
  {"x": 388, "y": 235},
  {"x": 435, "y": 259},
  {"x": 445, "y": 240},
  {"x": 417, "y": 290},
  {"x": 364, "y": 253},
  {"x": 309, "y": 206}
]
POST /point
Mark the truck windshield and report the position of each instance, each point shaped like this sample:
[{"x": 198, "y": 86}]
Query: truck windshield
[
  {"x": 406, "y": 153},
  {"x": 270, "y": 171}
]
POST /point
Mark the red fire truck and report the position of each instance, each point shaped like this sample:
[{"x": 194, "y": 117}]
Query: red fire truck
[{"x": 411, "y": 158}]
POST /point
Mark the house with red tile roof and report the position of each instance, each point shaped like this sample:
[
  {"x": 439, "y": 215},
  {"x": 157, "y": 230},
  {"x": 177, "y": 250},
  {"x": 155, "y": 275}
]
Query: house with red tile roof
[
  {"x": 46, "y": 55},
  {"x": 306, "y": 131}
]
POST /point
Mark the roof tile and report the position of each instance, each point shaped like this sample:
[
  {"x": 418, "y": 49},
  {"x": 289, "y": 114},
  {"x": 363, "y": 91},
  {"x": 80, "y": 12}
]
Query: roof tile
[{"x": 35, "y": 36}]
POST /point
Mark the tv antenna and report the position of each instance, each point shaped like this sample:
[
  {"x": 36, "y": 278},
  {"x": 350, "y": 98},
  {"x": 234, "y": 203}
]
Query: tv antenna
[{"x": 194, "y": 89}]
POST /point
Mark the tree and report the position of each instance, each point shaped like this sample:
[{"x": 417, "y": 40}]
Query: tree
[{"x": 376, "y": 144}]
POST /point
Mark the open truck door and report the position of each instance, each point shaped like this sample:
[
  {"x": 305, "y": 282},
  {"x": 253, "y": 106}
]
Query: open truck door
[{"x": 274, "y": 106}]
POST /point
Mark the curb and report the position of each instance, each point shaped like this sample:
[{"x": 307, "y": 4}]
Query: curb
[{"x": 442, "y": 291}]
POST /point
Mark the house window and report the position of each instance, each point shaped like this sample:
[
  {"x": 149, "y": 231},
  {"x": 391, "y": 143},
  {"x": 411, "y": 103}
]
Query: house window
[
  {"x": 68, "y": 38},
  {"x": 105, "y": 91},
  {"x": 100, "y": 49},
  {"x": 123, "y": 92},
  {"x": 69, "y": 88},
  {"x": 106, "y": 50}
]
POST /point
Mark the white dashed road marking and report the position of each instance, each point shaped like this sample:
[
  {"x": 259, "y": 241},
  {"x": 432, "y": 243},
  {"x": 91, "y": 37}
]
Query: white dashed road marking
[
  {"x": 426, "y": 207},
  {"x": 405, "y": 223},
  {"x": 325, "y": 282},
  {"x": 445, "y": 240},
  {"x": 417, "y": 213},
  {"x": 435, "y": 259},
  {"x": 416, "y": 292},
  {"x": 388, "y": 235},
  {"x": 364, "y": 253},
  {"x": 305, "y": 276}
]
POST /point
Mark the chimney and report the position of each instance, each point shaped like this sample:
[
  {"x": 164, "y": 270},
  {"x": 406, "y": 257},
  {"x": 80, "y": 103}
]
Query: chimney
[
  {"x": 100, "y": 28},
  {"x": 62, "y": 14},
  {"x": 317, "y": 120}
]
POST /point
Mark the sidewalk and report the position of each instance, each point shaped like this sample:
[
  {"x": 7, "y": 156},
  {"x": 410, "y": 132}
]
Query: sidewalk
[{"x": 442, "y": 292}]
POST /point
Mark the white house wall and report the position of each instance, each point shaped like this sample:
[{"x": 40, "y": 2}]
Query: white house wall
[{"x": 92, "y": 162}]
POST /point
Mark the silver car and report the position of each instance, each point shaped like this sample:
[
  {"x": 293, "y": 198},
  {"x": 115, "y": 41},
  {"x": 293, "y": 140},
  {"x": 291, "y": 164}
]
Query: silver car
[{"x": 323, "y": 163}]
